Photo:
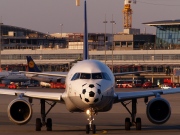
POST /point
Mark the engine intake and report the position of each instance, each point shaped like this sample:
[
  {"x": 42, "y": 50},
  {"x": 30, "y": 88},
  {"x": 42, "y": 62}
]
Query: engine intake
[
  {"x": 19, "y": 111},
  {"x": 158, "y": 111}
]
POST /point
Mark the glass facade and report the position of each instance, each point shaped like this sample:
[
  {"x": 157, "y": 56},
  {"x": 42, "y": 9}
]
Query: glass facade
[
  {"x": 168, "y": 37},
  {"x": 167, "y": 34}
]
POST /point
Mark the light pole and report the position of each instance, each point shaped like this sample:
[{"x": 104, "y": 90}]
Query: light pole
[
  {"x": 61, "y": 29},
  {"x": 113, "y": 22},
  {"x": 105, "y": 38}
]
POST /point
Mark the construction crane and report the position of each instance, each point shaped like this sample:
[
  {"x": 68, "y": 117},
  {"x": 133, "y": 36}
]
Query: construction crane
[
  {"x": 127, "y": 12},
  {"x": 77, "y": 2}
]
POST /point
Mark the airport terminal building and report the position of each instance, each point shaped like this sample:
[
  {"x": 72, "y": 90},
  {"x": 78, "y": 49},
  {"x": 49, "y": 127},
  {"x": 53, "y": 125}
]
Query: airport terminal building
[
  {"x": 13, "y": 37},
  {"x": 124, "y": 52},
  {"x": 167, "y": 34}
]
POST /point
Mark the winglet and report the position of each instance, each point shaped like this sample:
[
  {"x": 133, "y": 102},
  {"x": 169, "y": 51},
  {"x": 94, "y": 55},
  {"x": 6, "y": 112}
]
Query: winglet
[
  {"x": 85, "y": 47},
  {"x": 32, "y": 67}
]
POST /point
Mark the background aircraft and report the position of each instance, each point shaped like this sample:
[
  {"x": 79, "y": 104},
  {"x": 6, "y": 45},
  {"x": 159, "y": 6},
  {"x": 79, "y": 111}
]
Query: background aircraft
[
  {"x": 90, "y": 88},
  {"x": 36, "y": 74},
  {"x": 9, "y": 76}
]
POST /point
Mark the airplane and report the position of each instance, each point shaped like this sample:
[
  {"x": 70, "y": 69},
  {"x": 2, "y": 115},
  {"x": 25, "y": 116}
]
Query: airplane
[
  {"x": 6, "y": 77},
  {"x": 33, "y": 73},
  {"x": 90, "y": 88}
]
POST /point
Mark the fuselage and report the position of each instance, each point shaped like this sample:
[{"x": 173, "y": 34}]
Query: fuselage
[
  {"x": 89, "y": 84},
  {"x": 47, "y": 79},
  {"x": 8, "y": 76}
]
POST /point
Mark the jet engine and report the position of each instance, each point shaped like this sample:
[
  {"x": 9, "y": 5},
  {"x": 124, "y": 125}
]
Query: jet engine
[
  {"x": 19, "y": 111},
  {"x": 158, "y": 110}
]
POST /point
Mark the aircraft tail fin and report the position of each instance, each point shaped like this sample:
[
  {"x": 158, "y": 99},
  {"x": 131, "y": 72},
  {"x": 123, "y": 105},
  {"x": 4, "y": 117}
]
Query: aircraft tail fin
[
  {"x": 85, "y": 47},
  {"x": 32, "y": 67}
]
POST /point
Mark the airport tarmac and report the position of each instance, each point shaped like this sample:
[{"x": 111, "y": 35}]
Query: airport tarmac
[{"x": 110, "y": 123}]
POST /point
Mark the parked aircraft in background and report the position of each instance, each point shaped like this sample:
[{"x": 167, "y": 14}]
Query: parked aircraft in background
[
  {"x": 90, "y": 88},
  {"x": 10, "y": 76},
  {"x": 36, "y": 74}
]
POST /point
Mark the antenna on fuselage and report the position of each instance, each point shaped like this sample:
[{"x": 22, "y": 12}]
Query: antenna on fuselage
[{"x": 85, "y": 47}]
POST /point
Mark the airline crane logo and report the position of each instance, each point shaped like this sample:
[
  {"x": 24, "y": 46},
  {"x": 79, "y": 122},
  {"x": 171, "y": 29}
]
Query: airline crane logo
[{"x": 31, "y": 64}]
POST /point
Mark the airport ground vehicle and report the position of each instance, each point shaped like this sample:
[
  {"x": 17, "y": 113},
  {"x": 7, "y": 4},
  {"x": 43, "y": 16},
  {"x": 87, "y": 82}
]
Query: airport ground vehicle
[
  {"x": 128, "y": 83},
  {"x": 12, "y": 86},
  {"x": 165, "y": 86},
  {"x": 2, "y": 85},
  {"x": 45, "y": 85},
  {"x": 149, "y": 85},
  {"x": 58, "y": 85}
]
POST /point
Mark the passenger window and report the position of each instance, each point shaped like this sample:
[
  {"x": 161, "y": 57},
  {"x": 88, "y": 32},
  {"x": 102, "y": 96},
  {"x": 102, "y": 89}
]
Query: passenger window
[
  {"x": 85, "y": 76},
  {"x": 76, "y": 76},
  {"x": 106, "y": 76},
  {"x": 96, "y": 76}
]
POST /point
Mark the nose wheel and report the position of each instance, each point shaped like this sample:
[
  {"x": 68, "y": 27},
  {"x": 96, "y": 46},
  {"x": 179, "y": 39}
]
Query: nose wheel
[{"x": 90, "y": 126}]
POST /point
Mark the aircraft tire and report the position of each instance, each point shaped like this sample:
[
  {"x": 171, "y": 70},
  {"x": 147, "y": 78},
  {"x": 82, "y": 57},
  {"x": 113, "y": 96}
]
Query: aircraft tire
[
  {"x": 138, "y": 123},
  {"x": 127, "y": 124},
  {"x": 49, "y": 124},
  {"x": 87, "y": 129},
  {"x": 38, "y": 124},
  {"x": 94, "y": 129}
]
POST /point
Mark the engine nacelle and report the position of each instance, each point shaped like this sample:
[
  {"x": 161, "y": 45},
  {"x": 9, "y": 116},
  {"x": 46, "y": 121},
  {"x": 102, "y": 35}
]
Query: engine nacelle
[
  {"x": 19, "y": 111},
  {"x": 158, "y": 111}
]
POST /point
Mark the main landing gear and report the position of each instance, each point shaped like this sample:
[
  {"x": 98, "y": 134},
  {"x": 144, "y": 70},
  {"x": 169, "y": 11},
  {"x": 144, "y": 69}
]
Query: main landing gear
[
  {"x": 133, "y": 122},
  {"x": 42, "y": 122},
  {"x": 90, "y": 126}
]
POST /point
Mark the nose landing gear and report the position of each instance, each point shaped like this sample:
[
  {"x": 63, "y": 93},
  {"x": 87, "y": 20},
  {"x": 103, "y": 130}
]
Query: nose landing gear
[{"x": 91, "y": 126}]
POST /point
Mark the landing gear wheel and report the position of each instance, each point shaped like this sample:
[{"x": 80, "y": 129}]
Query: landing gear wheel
[
  {"x": 94, "y": 129},
  {"x": 138, "y": 123},
  {"x": 87, "y": 129},
  {"x": 49, "y": 124},
  {"x": 127, "y": 124},
  {"x": 38, "y": 124}
]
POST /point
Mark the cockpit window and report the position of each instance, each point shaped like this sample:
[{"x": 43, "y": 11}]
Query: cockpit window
[
  {"x": 96, "y": 76},
  {"x": 85, "y": 76},
  {"x": 76, "y": 76},
  {"x": 101, "y": 75},
  {"x": 106, "y": 76}
]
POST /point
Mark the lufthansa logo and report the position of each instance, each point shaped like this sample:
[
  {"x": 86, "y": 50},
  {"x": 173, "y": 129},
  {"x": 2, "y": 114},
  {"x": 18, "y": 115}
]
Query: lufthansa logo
[{"x": 31, "y": 64}]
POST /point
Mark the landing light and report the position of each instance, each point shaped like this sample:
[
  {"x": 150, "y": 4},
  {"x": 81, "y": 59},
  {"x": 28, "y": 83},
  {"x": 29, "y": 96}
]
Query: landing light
[{"x": 88, "y": 112}]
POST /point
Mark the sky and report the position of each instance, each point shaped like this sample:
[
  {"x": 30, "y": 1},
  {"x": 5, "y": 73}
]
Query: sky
[{"x": 47, "y": 15}]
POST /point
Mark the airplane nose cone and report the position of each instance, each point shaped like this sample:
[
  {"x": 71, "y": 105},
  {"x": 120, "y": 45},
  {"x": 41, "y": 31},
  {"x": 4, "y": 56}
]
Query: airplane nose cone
[{"x": 91, "y": 94}]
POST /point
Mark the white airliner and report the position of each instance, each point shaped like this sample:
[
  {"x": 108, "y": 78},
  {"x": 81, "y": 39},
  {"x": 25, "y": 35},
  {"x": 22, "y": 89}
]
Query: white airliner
[{"x": 90, "y": 88}]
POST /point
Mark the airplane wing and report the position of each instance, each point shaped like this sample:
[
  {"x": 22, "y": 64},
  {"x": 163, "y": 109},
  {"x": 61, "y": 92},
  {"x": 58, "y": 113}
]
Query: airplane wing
[
  {"x": 123, "y": 96},
  {"x": 34, "y": 94},
  {"x": 64, "y": 74},
  {"x": 60, "y": 74},
  {"x": 135, "y": 72}
]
